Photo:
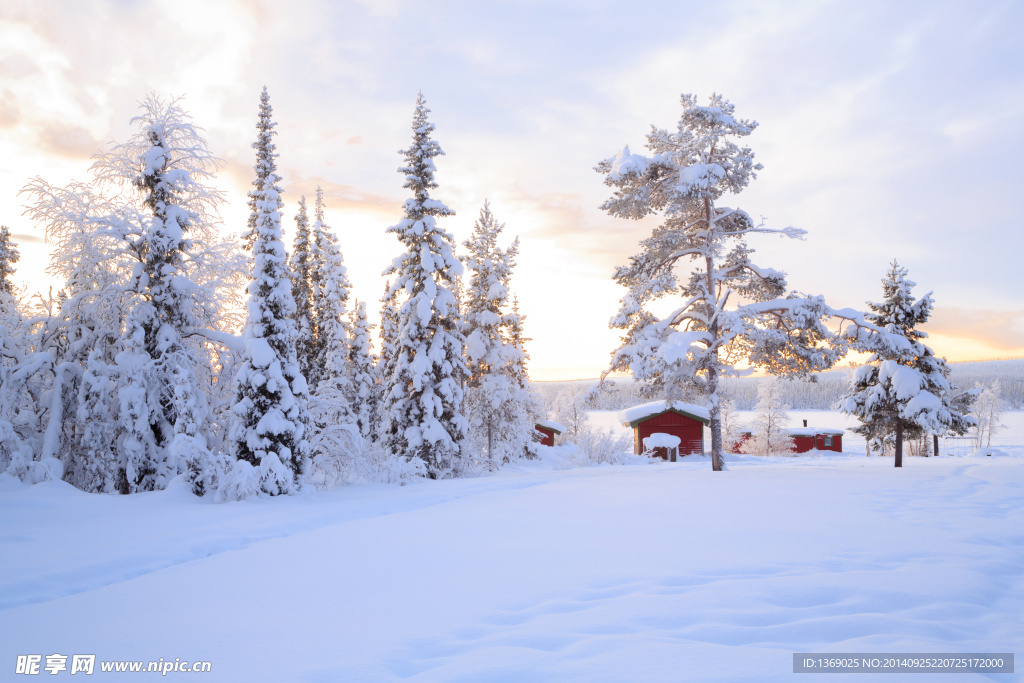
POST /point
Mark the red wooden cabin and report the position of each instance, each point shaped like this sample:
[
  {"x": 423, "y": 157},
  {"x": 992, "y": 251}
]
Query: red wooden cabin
[
  {"x": 668, "y": 417},
  {"x": 549, "y": 429},
  {"x": 809, "y": 439}
]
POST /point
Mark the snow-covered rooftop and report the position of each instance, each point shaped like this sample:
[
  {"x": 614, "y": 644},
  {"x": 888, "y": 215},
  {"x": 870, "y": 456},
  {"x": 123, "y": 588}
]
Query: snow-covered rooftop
[
  {"x": 640, "y": 412},
  {"x": 551, "y": 424},
  {"x": 812, "y": 431}
]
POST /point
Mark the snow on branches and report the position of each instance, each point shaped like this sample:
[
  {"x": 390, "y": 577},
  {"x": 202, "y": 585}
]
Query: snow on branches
[
  {"x": 729, "y": 308},
  {"x": 270, "y": 433},
  {"x": 423, "y": 404},
  {"x": 904, "y": 389}
]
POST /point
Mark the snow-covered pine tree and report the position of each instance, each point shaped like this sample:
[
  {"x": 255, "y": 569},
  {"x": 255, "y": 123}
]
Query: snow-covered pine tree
[
  {"x": 495, "y": 400},
  {"x": 270, "y": 433},
  {"x": 729, "y": 309},
  {"x": 903, "y": 390},
  {"x": 768, "y": 435},
  {"x": 302, "y": 263},
  {"x": 422, "y": 408},
  {"x": 364, "y": 398}
]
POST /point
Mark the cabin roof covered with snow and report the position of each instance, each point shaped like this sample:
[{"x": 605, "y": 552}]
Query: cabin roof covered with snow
[
  {"x": 812, "y": 431},
  {"x": 630, "y": 416},
  {"x": 556, "y": 427}
]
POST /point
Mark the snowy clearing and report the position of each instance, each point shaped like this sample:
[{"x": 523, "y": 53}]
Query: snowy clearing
[{"x": 663, "y": 571}]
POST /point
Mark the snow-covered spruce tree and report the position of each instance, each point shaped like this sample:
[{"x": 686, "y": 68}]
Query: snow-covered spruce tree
[
  {"x": 729, "y": 309},
  {"x": 364, "y": 398},
  {"x": 903, "y": 390},
  {"x": 530, "y": 407},
  {"x": 768, "y": 435},
  {"x": 331, "y": 401},
  {"x": 270, "y": 433},
  {"x": 423, "y": 403},
  {"x": 302, "y": 266},
  {"x": 331, "y": 288},
  {"x": 9, "y": 255},
  {"x": 497, "y": 406}
]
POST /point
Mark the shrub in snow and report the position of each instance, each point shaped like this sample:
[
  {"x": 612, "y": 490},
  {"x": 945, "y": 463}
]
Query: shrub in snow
[
  {"x": 727, "y": 307},
  {"x": 339, "y": 455},
  {"x": 398, "y": 469},
  {"x": 597, "y": 447}
]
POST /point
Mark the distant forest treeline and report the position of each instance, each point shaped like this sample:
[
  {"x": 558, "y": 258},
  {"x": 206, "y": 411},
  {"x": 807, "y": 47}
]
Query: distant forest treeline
[{"x": 820, "y": 395}]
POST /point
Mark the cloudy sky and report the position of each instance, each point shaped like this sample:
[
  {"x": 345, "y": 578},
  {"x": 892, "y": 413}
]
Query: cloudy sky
[{"x": 887, "y": 131}]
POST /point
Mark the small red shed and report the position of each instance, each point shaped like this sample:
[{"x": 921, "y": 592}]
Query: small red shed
[
  {"x": 809, "y": 439},
  {"x": 549, "y": 429},
  {"x": 676, "y": 418}
]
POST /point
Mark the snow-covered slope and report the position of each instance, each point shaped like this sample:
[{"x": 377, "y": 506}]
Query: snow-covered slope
[{"x": 642, "y": 572}]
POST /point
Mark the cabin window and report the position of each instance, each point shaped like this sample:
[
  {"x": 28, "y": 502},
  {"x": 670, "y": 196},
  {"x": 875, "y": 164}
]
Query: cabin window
[{"x": 828, "y": 442}]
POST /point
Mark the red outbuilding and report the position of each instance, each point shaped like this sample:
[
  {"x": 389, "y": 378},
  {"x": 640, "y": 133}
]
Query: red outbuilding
[
  {"x": 676, "y": 418},
  {"x": 810, "y": 438},
  {"x": 549, "y": 429}
]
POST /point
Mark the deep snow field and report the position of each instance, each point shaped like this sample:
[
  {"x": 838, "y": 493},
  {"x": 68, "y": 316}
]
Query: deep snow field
[{"x": 640, "y": 572}]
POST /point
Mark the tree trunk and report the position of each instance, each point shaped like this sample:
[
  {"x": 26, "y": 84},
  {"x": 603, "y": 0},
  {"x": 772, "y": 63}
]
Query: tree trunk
[
  {"x": 899, "y": 442},
  {"x": 935, "y": 445}
]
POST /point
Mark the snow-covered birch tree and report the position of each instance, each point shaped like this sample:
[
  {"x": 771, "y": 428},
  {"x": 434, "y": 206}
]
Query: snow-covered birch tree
[
  {"x": 423, "y": 403},
  {"x": 272, "y": 417},
  {"x": 768, "y": 436},
  {"x": 988, "y": 413},
  {"x": 727, "y": 308},
  {"x": 137, "y": 247}
]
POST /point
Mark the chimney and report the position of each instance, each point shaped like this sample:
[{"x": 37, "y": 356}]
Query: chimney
[{"x": 805, "y": 423}]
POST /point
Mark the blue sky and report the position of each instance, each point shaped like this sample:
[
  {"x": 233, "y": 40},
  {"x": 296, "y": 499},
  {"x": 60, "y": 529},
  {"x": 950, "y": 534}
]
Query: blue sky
[{"x": 888, "y": 130}]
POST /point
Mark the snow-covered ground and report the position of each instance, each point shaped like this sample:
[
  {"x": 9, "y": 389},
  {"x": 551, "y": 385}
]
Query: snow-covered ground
[{"x": 662, "y": 571}]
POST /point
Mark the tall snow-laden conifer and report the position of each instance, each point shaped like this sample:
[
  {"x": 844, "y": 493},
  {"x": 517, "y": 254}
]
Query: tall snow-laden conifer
[
  {"x": 903, "y": 390},
  {"x": 424, "y": 400},
  {"x": 727, "y": 308},
  {"x": 334, "y": 392},
  {"x": 270, "y": 433},
  {"x": 498, "y": 405},
  {"x": 302, "y": 263}
]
